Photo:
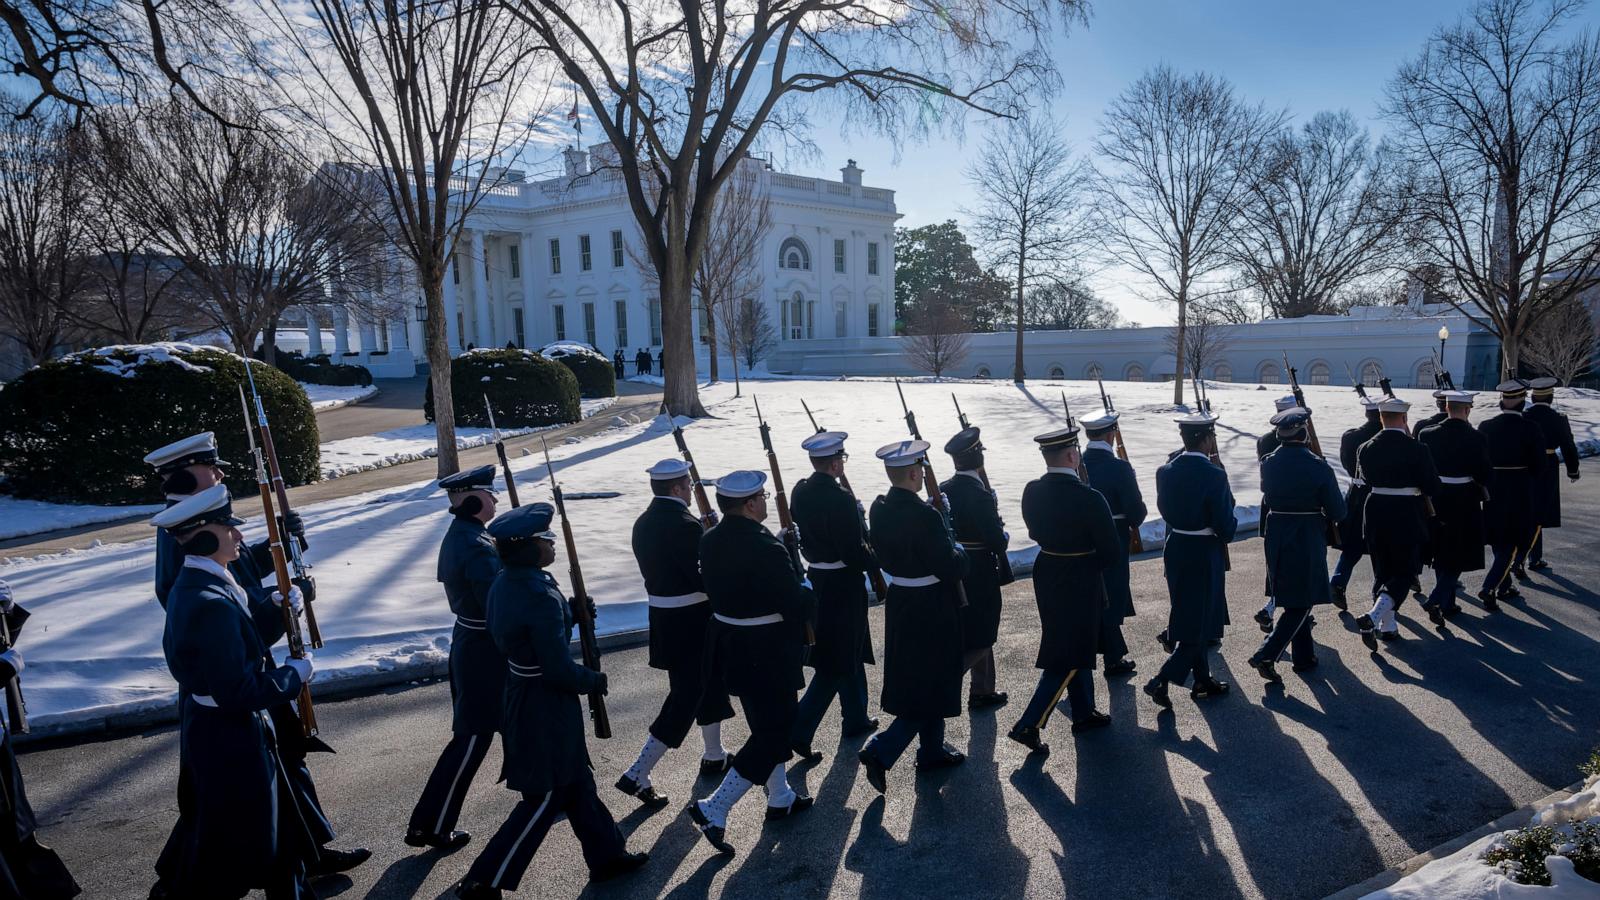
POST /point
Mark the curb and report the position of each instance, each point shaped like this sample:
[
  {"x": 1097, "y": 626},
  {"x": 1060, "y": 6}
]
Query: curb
[
  {"x": 1514, "y": 819},
  {"x": 341, "y": 404}
]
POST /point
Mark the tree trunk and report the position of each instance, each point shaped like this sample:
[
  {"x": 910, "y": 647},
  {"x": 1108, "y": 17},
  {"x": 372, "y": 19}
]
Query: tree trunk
[
  {"x": 269, "y": 342},
  {"x": 1177, "y": 352},
  {"x": 711, "y": 338},
  {"x": 1510, "y": 353},
  {"x": 1018, "y": 372},
  {"x": 444, "y": 410},
  {"x": 677, "y": 321},
  {"x": 733, "y": 357}
]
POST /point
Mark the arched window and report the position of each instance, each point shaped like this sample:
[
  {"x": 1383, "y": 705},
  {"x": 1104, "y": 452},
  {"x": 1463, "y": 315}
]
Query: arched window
[
  {"x": 1268, "y": 373},
  {"x": 1057, "y": 372},
  {"x": 1371, "y": 373},
  {"x": 983, "y": 372},
  {"x": 1222, "y": 372},
  {"x": 1424, "y": 374},
  {"x": 1134, "y": 372},
  {"x": 1319, "y": 372},
  {"x": 792, "y": 254},
  {"x": 1093, "y": 371}
]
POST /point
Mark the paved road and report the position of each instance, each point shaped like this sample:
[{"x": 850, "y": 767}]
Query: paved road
[
  {"x": 398, "y": 404},
  {"x": 1282, "y": 793}
]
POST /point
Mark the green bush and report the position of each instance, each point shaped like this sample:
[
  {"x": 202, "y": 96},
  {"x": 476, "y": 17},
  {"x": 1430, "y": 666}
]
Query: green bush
[
  {"x": 1521, "y": 853},
  {"x": 321, "y": 369},
  {"x": 597, "y": 377},
  {"x": 77, "y": 429},
  {"x": 526, "y": 389}
]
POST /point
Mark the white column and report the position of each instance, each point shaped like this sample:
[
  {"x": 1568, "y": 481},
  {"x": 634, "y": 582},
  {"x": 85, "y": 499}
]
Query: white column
[
  {"x": 369, "y": 336},
  {"x": 313, "y": 333},
  {"x": 452, "y": 333},
  {"x": 480, "y": 293},
  {"x": 398, "y": 338},
  {"x": 341, "y": 333}
]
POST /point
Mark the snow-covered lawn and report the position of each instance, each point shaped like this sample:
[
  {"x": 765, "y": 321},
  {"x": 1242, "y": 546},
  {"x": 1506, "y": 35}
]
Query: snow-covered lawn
[
  {"x": 94, "y": 645},
  {"x": 19, "y": 518},
  {"x": 324, "y": 397}
]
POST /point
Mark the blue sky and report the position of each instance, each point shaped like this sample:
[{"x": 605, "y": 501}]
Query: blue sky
[{"x": 1299, "y": 55}]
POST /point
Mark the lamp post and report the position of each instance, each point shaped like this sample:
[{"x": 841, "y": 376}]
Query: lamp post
[
  {"x": 422, "y": 311},
  {"x": 1444, "y": 335}
]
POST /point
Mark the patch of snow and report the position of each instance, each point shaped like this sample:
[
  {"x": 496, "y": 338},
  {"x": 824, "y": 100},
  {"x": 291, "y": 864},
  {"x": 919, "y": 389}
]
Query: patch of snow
[
  {"x": 324, "y": 397},
  {"x": 123, "y": 360},
  {"x": 572, "y": 348},
  {"x": 20, "y": 518}
]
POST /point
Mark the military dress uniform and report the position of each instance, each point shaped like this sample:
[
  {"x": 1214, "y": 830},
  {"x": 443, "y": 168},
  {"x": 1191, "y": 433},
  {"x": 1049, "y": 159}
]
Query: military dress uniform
[
  {"x": 1461, "y": 455},
  {"x": 1299, "y": 497},
  {"x": 28, "y": 869},
  {"x": 1193, "y": 496},
  {"x": 1078, "y": 542},
  {"x": 976, "y": 524},
  {"x": 1265, "y": 444},
  {"x": 249, "y": 826},
  {"x": 833, "y": 543},
  {"x": 467, "y": 568},
  {"x": 922, "y": 643},
  {"x": 1352, "y": 545},
  {"x": 541, "y": 720},
  {"x": 1400, "y": 478},
  {"x": 1557, "y": 433},
  {"x": 1517, "y": 452},
  {"x": 1115, "y": 480}
]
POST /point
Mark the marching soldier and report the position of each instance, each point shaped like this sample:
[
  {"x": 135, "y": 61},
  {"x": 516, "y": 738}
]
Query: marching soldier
[
  {"x": 1193, "y": 496},
  {"x": 922, "y": 622},
  {"x": 1078, "y": 542},
  {"x": 1400, "y": 478},
  {"x": 834, "y": 544},
  {"x": 28, "y": 869},
  {"x": 1557, "y": 433},
  {"x": 1441, "y": 413},
  {"x": 1461, "y": 454},
  {"x": 542, "y": 722},
  {"x": 1517, "y": 452},
  {"x": 1352, "y": 546},
  {"x": 249, "y": 828},
  {"x": 975, "y": 519},
  {"x": 759, "y": 611},
  {"x": 666, "y": 544},
  {"x": 1299, "y": 496},
  {"x": 1265, "y": 444},
  {"x": 467, "y": 568},
  {"x": 1115, "y": 481}
]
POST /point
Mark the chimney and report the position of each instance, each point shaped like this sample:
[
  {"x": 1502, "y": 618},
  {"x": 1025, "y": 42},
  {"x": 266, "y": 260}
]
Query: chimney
[
  {"x": 577, "y": 162},
  {"x": 851, "y": 173}
]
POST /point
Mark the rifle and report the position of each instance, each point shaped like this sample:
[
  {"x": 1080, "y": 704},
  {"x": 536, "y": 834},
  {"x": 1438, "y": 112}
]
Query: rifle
[
  {"x": 1203, "y": 404},
  {"x": 580, "y": 603},
  {"x": 791, "y": 537},
  {"x": 1083, "y": 471},
  {"x": 708, "y": 516},
  {"x": 16, "y": 707},
  {"x": 1135, "y": 543},
  {"x": 1361, "y": 389},
  {"x": 930, "y": 484},
  {"x": 280, "y": 565},
  {"x": 875, "y": 574},
  {"x": 1003, "y": 560},
  {"x": 297, "y": 563},
  {"x": 500, "y": 448},
  {"x": 1331, "y": 531},
  {"x": 1441, "y": 378}
]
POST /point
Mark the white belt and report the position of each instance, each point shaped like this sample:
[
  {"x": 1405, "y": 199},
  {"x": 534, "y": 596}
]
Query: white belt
[
  {"x": 1356, "y": 482},
  {"x": 1455, "y": 479},
  {"x": 920, "y": 581},
  {"x": 1119, "y": 516},
  {"x": 1397, "y": 492},
  {"x": 828, "y": 565},
  {"x": 1203, "y": 532},
  {"x": 523, "y": 671},
  {"x": 679, "y": 601},
  {"x": 1294, "y": 512},
  {"x": 203, "y": 700},
  {"x": 768, "y": 619},
  {"x": 474, "y": 624}
]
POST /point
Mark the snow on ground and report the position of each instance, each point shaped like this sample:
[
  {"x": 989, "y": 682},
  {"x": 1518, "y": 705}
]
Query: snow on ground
[
  {"x": 1464, "y": 875},
  {"x": 19, "y": 518},
  {"x": 324, "y": 397},
  {"x": 94, "y": 644},
  {"x": 402, "y": 445}
]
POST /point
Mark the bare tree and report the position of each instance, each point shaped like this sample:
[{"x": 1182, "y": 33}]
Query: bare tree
[
  {"x": 1174, "y": 155},
  {"x": 682, "y": 92},
  {"x": 730, "y": 268},
  {"x": 44, "y": 246},
  {"x": 750, "y": 334},
  {"x": 938, "y": 339},
  {"x": 1562, "y": 343},
  {"x": 423, "y": 97},
  {"x": 1319, "y": 215},
  {"x": 1499, "y": 123},
  {"x": 1206, "y": 341},
  {"x": 1068, "y": 306},
  {"x": 1032, "y": 216}
]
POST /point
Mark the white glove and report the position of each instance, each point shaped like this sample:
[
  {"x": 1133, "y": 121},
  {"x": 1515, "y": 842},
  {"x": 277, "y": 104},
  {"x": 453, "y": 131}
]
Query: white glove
[
  {"x": 297, "y": 601},
  {"x": 14, "y": 659},
  {"x": 303, "y": 667},
  {"x": 6, "y": 600}
]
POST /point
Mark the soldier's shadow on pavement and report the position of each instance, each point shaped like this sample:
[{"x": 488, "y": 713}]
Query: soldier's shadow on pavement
[{"x": 403, "y": 878}]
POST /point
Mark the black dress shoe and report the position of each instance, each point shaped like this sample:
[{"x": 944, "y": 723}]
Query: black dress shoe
[
  {"x": 472, "y": 890},
  {"x": 332, "y": 862},
  {"x": 869, "y": 727},
  {"x": 1095, "y": 719},
  {"x": 619, "y": 865},
  {"x": 1268, "y": 670},
  {"x": 1450, "y": 612},
  {"x": 1156, "y": 690},
  {"x": 1029, "y": 737},
  {"x": 1205, "y": 690},
  {"x": 1520, "y": 573},
  {"x": 877, "y": 772},
  {"x": 1510, "y": 594},
  {"x": 808, "y": 755},
  {"x": 1368, "y": 631},
  {"x": 710, "y": 767},
  {"x": 453, "y": 840},
  {"x": 1166, "y": 641},
  {"x": 715, "y": 835},
  {"x": 1538, "y": 566},
  {"x": 648, "y": 796},
  {"x": 1264, "y": 619},
  {"x": 1306, "y": 666},
  {"x": 987, "y": 701},
  {"x": 1339, "y": 598},
  {"x": 943, "y": 758},
  {"x": 800, "y": 804},
  {"x": 159, "y": 891},
  {"x": 1122, "y": 666},
  {"x": 1435, "y": 614},
  {"x": 1490, "y": 604},
  {"x": 1388, "y": 636}
]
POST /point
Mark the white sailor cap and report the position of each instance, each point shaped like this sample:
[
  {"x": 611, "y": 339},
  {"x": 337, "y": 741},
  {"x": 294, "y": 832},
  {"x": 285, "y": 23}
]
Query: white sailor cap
[
  {"x": 741, "y": 484},
  {"x": 1393, "y": 405},
  {"x": 668, "y": 470},
  {"x": 824, "y": 443},
  {"x": 1457, "y": 396},
  {"x": 1369, "y": 404},
  {"x": 194, "y": 450},
  {"x": 211, "y": 505},
  {"x": 1286, "y": 402},
  {"x": 1196, "y": 421},
  {"x": 903, "y": 453},
  {"x": 1101, "y": 422}
]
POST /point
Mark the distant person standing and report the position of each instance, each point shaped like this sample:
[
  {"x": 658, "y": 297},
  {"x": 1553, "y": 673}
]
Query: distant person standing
[
  {"x": 620, "y": 365},
  {"x": 661, "y": 361}
]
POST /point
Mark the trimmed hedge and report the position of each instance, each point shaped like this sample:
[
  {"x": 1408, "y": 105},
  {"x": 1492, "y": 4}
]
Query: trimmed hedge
[
  {"x": 77, "y": 429},
  {"x": 597, "y": 377},
  {"x": 321, "y": 369},
  {"x": 527, "y": 389}
]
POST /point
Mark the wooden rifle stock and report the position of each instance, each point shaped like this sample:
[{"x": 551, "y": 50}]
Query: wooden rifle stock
[
  {"x": 500, "y": 448},
  {"x": 588, "y": 644},
  {"x": 299, "y": 570},
  {"x": 790, "y": 537},
  {"x": 708, "y": 516},
  {"x": 930, "y": 484}
]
